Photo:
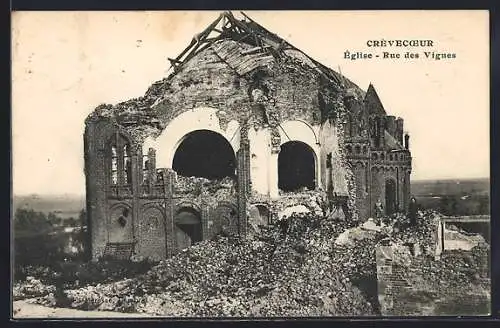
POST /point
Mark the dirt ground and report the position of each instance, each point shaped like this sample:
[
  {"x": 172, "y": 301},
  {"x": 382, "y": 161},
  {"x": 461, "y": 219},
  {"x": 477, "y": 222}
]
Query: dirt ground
[{"x": 25, "y": 310}]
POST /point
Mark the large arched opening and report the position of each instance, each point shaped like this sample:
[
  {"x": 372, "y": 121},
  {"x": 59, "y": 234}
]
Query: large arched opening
[
  {"x": 296, "y": 167},
  {"x": 390, "y": 197},
  {"x": 204, "y": 153}
]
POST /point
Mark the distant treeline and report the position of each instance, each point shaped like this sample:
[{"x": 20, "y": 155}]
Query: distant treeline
[
  {"x": 45, "y": 249},
  {"x": 60, "y": 205},
  {"x": 461, "y": 187},
  {"x": 457, "y": 205},
  {"x": 41, "y": 239}
]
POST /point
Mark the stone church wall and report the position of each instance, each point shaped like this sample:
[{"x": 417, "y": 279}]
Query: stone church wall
[{"x": 256, "y": 113}]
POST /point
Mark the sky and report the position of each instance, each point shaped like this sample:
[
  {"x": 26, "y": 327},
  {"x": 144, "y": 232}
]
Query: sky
[{"x": 64, "y": 64}]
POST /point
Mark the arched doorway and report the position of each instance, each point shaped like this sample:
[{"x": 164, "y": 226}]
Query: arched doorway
[
  {"x": 296, "y": 167},
  {"x": 204, "y": 153},
  {"x": 390, "y": 197},
  {"x": 188, "y": 230}
]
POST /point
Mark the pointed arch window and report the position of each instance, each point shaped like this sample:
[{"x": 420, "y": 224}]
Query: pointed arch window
[
  {"x": 348, "y": 125},
  {"x": 127, "y": 164},
  {"x": 114, "y": 165},
  {"x": 145, "y": 169},
  {"x": 120, "y": 160}
]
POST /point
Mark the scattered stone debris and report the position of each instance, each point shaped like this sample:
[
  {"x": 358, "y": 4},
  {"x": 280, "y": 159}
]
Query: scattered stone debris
[
  {"x": 31, "y": 288},
  {"x": 456, "y": 239},
  {"x": 304, "y": 265},
  {"x": 351, "y": 236},
  {"x": 291, "y": 210},
  {"x": 294, "y": 271},
  {"x": 370, "y": 225},
  {"x": 302, "y": 202},
  {"x": 414, "y": 284},
  {"x": 209, "y": 191}
]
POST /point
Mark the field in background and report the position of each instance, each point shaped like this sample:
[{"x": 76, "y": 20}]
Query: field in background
[
  {"x": 462, "y": 187},
  {"x": 64, "y": 206},
  {"x": 454, "y": 197}
]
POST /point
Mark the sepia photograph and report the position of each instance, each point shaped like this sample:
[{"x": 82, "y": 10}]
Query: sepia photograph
[{"x": 250, "y": 164}]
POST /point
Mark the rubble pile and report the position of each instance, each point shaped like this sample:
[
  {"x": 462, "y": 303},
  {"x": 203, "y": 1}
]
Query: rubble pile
[
  {"x": 304, "y": 265},
  {"x": 206, "y": 190},
  {"x": 456, "y": 284},
  {"x": 292, "y": 269},
  {"x": 310, "y": 199},
  {"x": 457, "y": 269},
  {"x": 31, "y": 287},
  {"x": 42, "y": 281},
  {"x": 458, "y": 239},
  {"x": 423, "y": 233}
]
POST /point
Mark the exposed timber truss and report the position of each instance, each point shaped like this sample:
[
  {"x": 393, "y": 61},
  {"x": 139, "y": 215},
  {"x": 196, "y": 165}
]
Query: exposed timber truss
[{"x": 226, "y": 26}]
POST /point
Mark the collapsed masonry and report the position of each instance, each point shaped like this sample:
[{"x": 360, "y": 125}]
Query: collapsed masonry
[
  {"x": 245, "y": 125},
  {"x": 443, "y": 279}
]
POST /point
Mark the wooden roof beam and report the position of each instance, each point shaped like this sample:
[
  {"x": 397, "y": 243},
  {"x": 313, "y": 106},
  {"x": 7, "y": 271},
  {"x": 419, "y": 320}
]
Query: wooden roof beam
[
  {"x": 174, "y": 61},
  {"x": 195, "y": 42}
]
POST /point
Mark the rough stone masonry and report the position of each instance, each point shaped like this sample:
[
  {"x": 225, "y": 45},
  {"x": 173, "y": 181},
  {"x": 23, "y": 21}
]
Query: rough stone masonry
[{"x": 244, "y": 121}]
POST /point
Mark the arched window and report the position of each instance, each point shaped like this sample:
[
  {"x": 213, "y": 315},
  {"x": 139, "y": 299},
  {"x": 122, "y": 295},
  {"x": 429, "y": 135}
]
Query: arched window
[
  {"x": 127, "y": 164},
  {"x": 296, "y": 167},
  {"x": 114, "y": 165},
  {"x": 204, "y": 153},
  {"x": 391, "y": 205},
  {"x": 378, "y": 132},
  {"x": 120, "y": 160},
  {"x": 159, "y": 176},
  {"x": 348, "y": 125},
  {"x": 145, "y": 169},
  {"x": 358, "y": 149}
]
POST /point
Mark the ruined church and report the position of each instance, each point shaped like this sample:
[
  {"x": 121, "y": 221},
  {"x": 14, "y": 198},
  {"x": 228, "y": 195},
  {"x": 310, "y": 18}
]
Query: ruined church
[{"x": 245, "y": 126}]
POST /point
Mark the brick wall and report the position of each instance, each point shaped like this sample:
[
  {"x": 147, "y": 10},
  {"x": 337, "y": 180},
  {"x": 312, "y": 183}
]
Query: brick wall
[
  {"x": 404, "y": 288},
  {"x": 96, "y": 133},
  {"x": 294, "y": 92},
  {"x": 334, "y": 177},
  {"x": 382, "y": 173},
  {"x": 151, "y": 235}
]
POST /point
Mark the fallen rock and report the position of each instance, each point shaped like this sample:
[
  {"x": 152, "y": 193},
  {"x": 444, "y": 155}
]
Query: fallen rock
[
  {"x": 337, "y": 214},
  {"x": 455, "y": 240},
  {"x": 370, "y": 225},
  {"x": 344, "y": 240},
  {"x": 350, "y": 236},
  {"x": 289, "y": 211}
]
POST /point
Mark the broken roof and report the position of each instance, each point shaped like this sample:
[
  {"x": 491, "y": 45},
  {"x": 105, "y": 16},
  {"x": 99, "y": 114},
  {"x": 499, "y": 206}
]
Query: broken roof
[
  {"x": 265, "y": 47},
  {"x": 244, "y": 45}
]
